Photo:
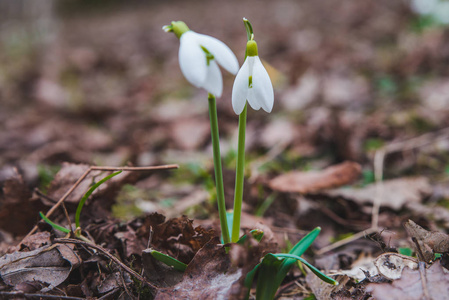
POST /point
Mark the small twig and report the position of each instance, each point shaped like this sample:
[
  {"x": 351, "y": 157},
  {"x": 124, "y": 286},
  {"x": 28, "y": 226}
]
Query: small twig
[
  {"x": 98, "y": 168},
  {"x": 346, "y": 240},
  {"x": 110, "y": 256},
  {"x": 67, "y": 216},
  {"x": 125, "y": 287},
  {"x": 422, "y": 273},
  {"x": 10, "y": 295},
  {"x": 109, "y": 294},
  {"x": 42, "y": 195}
]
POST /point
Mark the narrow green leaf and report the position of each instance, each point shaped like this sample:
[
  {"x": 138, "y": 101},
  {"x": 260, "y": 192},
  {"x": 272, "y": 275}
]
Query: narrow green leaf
[
  {"x": 317, "y": 272},
  {"x": 168, "y": 260},
  {"x": 266, "y": 286},
  {"x": 88, "y": 193},
  {"x": 305, "y": 242},
  {"x": 298, "y": 250},
  {"x": 54, "y": 225}
]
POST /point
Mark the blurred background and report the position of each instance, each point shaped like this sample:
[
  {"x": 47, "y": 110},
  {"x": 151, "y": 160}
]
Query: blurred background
[{"x": 98, "y": 82}]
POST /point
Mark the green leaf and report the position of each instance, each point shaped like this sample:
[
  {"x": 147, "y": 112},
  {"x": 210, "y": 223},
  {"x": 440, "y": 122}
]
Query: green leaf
[
  {"x": 89, "y": 192},
  {"x": 266, "y": 286},
  {"x": 168, "y": 260},
  {"x": 298, "y": 250},
  {"x": 54, "y": 225},
  {"x": 284, "y": 265},
  {"x": 406, "y": 251},
  {"x": 317, "y": 272}
]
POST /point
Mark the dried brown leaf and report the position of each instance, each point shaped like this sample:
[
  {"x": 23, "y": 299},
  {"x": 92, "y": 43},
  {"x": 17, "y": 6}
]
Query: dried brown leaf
[
  {"x": 410, "y": 286},
  {"x": 314, "y": 181},
  {"x": 395, "y": 193},
  {"x": 49, "y": 265},
  {"x": 18, "y": 212},
  {"x": 210, "y": 275},
  {"x": 70, "y": 173}
]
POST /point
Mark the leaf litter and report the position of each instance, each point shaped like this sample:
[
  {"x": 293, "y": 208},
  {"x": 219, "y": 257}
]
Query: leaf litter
[{"x": 92, "y": 98}]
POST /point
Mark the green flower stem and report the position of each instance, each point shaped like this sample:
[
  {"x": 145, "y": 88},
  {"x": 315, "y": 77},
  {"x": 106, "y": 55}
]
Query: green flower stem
[
  {"x": 217, "y": 166},
  {"x": 240, "y": 168},
  {"x": 239, "y": 176}
]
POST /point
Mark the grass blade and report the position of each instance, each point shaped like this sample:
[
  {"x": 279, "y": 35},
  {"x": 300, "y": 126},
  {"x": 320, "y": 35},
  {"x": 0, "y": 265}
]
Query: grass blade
[
  {"x": 88, "y": 193},
  {"x": 168, "y": 260},
  {"x": 54, "y": 225}
]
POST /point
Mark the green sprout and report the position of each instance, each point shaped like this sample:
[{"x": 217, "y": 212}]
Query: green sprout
[
  {"x": 78, "y": 210},
  {"x": 274, "y": 267}
]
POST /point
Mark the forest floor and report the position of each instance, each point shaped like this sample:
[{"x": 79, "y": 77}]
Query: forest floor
[{"x": 357, "y": 144}]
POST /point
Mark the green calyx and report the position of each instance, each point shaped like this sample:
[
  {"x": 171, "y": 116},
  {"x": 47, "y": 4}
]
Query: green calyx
[
  {"x": 177, "y": 27},
  {"x": 251, "y": 48}
]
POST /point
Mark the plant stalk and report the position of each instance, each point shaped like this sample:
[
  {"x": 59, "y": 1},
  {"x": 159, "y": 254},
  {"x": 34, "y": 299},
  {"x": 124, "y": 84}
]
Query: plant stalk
[
  {"x": 217, "y": 166},
  {"x": 239, "y": 176}
]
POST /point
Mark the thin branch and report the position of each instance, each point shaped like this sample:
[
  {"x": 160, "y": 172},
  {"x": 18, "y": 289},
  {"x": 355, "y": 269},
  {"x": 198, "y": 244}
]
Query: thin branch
[
  {"x": 346, "y": 241},
  {"x": 107, "y": 254},
  {"x": 98, "y": 168},
  {"x": 11, "y": 295}
]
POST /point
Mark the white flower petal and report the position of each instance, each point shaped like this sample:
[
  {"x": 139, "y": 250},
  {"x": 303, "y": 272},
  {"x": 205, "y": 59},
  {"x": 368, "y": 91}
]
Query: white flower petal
[
  {"x": 192, "y": 59},
  {"x": 252, "y": 100},
  {"x": 223, "y": 55},
  {"x": 214, "y": 82},
  {"x": 240, "y": 89},
  {"x": 263, "y": 89},
  {"x": 251, "y": 97}
]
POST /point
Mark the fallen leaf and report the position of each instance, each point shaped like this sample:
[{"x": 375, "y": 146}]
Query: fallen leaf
[
  {"x": 314, "y": 181},
  {"x": 277, "y": 132},
  {"x": 210, "y": 275},
  {"x": 410, "y": 286},
  {"x": 36, "y": 241},
  {"x": 18, "y": 213},
  {"x": 189, "y": 134},
  {"x": 50, "y": 265},
  {"x": 70, "y": 173},
  {"x": 111, "y": 282},
  {"x": 429, "y": 242},
  {"x": 396, "y": 192},
  {"x": 130, "y": 243}
]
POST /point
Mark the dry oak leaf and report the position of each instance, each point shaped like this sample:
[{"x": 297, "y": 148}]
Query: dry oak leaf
[{"x": 314, "y": 181}]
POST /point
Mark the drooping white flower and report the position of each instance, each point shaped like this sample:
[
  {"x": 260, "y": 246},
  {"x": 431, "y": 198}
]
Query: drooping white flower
[
  {"x": 252, "y": 83},
  {"x": 198, "y": 58}
]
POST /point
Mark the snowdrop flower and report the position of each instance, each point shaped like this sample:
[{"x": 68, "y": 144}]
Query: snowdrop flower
[
  {"x": 198, "y": 58},
  {"x": 252, "y": 83}
]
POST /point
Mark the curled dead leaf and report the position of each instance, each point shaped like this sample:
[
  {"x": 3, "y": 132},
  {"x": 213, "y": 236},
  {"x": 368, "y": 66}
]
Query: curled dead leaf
[
  {"x": 429, "y": 242},
  {"x": 314, "y": 181},
  {"x": 49, "y": 265}
]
